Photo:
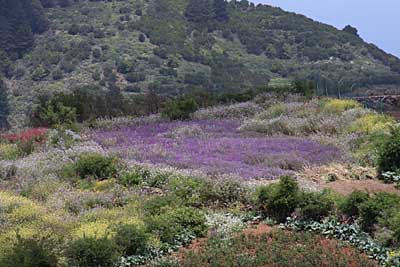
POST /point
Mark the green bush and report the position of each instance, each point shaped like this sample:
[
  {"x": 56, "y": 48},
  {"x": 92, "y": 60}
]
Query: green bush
[
  {"x": 395, "y": 226},
  {"x": 135, "y": 77},
  {"x": 29, "y": 252},
  {"x": 389, "y": 156},
  {"x": 378, "y": 209},
  {"x": 351, "y": 204},
  {"x": 314, "y": 206},
  {"x": 279, "y": 200},
  {"x": 177, "y": 225},
  {"x": 53, "y": 113},
  {"x": 39, "y": 73},
  {"x": 131, "y": 239},
  {"x": 157, "y": 204},
  {"x": 192, "y": 191},
  {"x": 92, "y": 252},
  {"x": 180, "y": 109},
  {"x": 131, "y": 178},
  {"x": 95, "y": 166}
]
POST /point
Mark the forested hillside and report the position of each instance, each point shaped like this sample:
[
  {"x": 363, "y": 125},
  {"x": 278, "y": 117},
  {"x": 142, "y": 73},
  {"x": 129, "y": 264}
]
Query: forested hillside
[{"x": 171, "y": 47}]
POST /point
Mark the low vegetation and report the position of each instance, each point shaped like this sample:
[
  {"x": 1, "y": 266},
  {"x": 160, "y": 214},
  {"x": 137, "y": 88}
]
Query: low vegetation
[{"x": 129, "y": 191}]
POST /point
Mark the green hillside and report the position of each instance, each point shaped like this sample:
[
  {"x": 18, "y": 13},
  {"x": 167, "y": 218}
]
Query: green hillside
[{"x": 176, "y": 46}]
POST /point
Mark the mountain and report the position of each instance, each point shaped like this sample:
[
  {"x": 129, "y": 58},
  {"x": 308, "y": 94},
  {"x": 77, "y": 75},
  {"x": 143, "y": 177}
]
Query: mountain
[{"x": 176, "y": 46}]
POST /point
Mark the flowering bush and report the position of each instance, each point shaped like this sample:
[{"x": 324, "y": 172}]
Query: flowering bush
[
  {"x": 37, "y": 135},
  {"x": 339, "y": 105},
  {"x": 372, "y": 123},
  {"x": 9, "y": 151}
]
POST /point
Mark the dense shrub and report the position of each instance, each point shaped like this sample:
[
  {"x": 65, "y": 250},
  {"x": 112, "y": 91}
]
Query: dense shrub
[
  {"x": 135, "y": 77},
  {"x": 95, "y": 166},
  {"x": 192, "y": 191},
  {"x": 157, "y": 204},
  {"x": 131, "y": 178},
  {"x": 314, "y": 206},
  {"x": 279, "y": 200},
  {"x": 92, "y": 252},
  {"x": 131, "y": 239},
  {"x": 389, "y": 156},
  {"x": 378, "y": 209},
  {"x": 29, "y": 252},
  {"x": 351, "y": 204},
  {"x": 53, "y": 113},
  {"x": 39, "y": 73},
  {"x": 176, "y": 225},
  {"x": 180, "y": 109}
]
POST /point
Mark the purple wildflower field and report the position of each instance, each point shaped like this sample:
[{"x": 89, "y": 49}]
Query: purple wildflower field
[{"x": 215, "y": 147}]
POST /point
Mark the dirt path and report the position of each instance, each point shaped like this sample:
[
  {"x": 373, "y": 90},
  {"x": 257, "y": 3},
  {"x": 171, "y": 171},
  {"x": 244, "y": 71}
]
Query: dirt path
[{"x": 346, "y": 187}]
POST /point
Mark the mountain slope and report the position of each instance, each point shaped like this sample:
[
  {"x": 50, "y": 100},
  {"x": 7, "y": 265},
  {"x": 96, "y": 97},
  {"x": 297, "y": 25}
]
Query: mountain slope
[{"x": 174, "y": 46}]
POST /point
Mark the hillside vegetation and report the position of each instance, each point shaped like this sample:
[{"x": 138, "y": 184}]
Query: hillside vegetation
[
  {"x": 128, "y": 192},
  {"x": 176, "y": 46}
]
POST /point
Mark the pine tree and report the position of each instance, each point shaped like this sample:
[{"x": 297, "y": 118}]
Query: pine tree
[
  {"x": 4, "y": 107},
  {"x": 221, "y": 10}
]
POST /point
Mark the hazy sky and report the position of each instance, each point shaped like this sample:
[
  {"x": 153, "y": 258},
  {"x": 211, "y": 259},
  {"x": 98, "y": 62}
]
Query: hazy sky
[{"x": 378, "y": 21}]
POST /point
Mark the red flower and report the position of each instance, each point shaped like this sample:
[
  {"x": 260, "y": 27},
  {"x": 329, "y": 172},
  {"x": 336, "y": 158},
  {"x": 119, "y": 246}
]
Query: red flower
[{"x": 37, "y": 135}]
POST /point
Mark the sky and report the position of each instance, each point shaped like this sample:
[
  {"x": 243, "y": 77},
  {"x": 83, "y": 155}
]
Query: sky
[{"x": 377, "y": 21}]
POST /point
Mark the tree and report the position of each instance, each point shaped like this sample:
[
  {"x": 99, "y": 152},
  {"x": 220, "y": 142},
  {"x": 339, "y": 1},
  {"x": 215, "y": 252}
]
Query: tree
[
  {"x": 200, "y": 11},
  {"x": 350, "y": 29},
  {"x": 221, "y": 10},
  {"x": 4, "y": 106}
]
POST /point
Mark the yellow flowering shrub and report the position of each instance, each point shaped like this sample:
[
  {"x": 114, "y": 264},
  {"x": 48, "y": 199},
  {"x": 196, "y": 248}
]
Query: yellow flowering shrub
[
  {"x": 99, "y": 229},
  {"x": 20, "y": 213},
  {"x": 339, "y": 105},
  {"x": 9, "y": 151},
  {"x": 372, "y": 123}
]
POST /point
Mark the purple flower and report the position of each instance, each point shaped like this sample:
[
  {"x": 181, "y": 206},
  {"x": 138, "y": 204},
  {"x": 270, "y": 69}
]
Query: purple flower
[{"x": 215, "y": 147}]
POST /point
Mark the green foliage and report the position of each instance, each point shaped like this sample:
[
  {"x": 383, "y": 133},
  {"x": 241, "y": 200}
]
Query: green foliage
[
  {"x": 53, "y": 113},
  {"x": 20, "y": 21},
  {"x": 180, "y": 109},
  {"x": 99, "y": 167},
  {"x": 389, "y": 156},
  {"x": 135, "y": 77},
  {"x": 193, "y": 191},
  {"x": 158, "y": 204},
  {"x": 378, "y": 209},
  {"x": 92, "y": 252},
  {"x": 314, "y": 206},
  {"x": 4, "y": 106},
  {"x": 200, "y": 11},
  {"x": 221, "y": 10},
  {"x": 131, "y": 178},
  {"x": 352, "y": 203},
  {"x": 28, "y": 252},
  {"x": 174, "y": 225},
  {"x": 131, "y": 239},
  {"x": 351, "y": 30},
  {"x": 280, "y": 200},
  {"x": 304, "y": 87},
  {"x": 39, "y": 73}
]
